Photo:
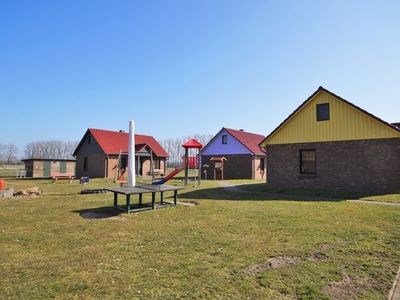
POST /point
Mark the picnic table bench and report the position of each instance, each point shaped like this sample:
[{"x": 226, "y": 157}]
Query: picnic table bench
[
  {"x": 144, "y": 189},
  {"x": 156, "y": 172},
  {"x": 66, "y": 176}
]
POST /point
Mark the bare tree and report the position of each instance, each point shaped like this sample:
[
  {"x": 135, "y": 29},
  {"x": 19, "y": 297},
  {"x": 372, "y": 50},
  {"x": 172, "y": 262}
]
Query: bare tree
[
  {"x": 11, "y": 154},
  {"x": 2, "y": 153},
  {"x": 51, "y": 149},
  {"x": 8, "y": 153}
]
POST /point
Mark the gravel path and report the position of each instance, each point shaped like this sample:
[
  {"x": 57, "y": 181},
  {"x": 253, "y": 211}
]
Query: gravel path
[
  {"x": 229, "y": 187},
  {"x": 394, "y": 293}
]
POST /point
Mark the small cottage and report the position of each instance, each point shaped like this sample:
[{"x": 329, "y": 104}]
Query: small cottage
[
  {"x": 328, "y": 143},
  {"x": 233, "y": 154},
  {"x": 36, "y": 167},
  {"x": 102, "y": 153}
]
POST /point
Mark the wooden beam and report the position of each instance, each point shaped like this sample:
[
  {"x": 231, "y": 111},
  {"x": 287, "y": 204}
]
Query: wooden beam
[
  {"x": 151, "y": 165},
  {"x": 186, "y": 166}
]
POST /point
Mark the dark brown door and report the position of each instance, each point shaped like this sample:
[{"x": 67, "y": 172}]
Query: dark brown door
[{"x": 218, "y": 174}]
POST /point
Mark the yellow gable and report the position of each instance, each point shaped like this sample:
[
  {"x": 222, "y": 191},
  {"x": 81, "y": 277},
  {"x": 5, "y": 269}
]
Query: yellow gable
[{"x": 346, "y": 122}]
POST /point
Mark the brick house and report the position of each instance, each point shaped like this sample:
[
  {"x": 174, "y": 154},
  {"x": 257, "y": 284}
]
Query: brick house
[
  {"x": 328, "y": 143},
  {"x": 233, "y": 154},
  {"x": 98, "y": 151}
]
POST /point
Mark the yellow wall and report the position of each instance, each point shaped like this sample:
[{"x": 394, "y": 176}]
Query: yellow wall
[{"x": 346, "y": 123}]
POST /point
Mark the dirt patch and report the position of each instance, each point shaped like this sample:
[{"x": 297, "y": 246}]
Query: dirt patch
[
  {"x": 348, "y": 288},
  {"x": 317, "y": 256},
  {"x": 272, "y": 263},
  {"x": 320, "y": 253},
  {"x": 283, "y": 261}
]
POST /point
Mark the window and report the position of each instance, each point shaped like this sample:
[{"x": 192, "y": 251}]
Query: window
[
  {"x": 262, "y": 163},
  {"x": 157, "y": 164},
  {"x": 323, "y": 112},
  {"x": 224, "y": 139},
  {"x": 308, "y": 162},
  {"x": 89, "y": 139},
  {"x": 85, "y": 163},
  {"x": 123, "y": 163}
]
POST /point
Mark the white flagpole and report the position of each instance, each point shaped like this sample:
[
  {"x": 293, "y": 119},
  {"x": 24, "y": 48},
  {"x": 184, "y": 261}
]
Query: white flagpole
[{"x": 131, "y": 155}]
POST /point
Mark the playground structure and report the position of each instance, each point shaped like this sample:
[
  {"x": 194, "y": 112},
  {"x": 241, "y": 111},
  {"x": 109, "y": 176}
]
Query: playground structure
[
  {"x": 157, "y": 187},
  {"x": 191, "y": 160}
]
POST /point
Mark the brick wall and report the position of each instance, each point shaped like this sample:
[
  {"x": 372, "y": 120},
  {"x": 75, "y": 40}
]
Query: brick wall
[
  {"x": 113, "y": 163},
  {"x": 235, "y": 167},
  {"x": 112, "y": 166},
  {"x": 357, "y": 166},
  {"x": 95, "y": 167},
  {"x": 259, "y": 170},
  {"x": 71, "y": 167},
  {"x": 37, "y": 168}
]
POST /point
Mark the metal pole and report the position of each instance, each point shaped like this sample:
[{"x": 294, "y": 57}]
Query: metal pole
[
  {"x": 186, "y": 165},
  {"x": 199, "y": 165},
  {"x": 131, "y": 155}
]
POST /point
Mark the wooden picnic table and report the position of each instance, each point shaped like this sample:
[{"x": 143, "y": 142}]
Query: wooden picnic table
[{"x": 144, "y": 189}]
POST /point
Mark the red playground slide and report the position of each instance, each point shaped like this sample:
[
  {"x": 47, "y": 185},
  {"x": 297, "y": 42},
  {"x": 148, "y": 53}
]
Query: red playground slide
[{"x": 169, "y": 176}]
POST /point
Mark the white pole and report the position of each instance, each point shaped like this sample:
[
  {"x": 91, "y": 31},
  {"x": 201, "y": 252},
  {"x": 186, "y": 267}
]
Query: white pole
[{"x": 131, "y": 155}]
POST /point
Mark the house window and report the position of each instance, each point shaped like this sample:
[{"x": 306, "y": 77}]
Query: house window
[
  {"x": 262, "y": 163},
  {"x": 157, "y": 164},
  {"x": 89, "y": 139},
  {"x": 123, "y": 163},
  {"x": 224, "y": 139},
  {"x": 85, "y": 163},
  {"x": 323, "y": 112},
  {"x": 308, "y": 163}
]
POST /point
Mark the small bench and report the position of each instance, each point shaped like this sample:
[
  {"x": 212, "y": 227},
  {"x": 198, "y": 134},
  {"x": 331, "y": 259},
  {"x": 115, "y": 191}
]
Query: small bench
[
  {"x": 157, "y": 172},
  {"x": 66, "y": 176}
]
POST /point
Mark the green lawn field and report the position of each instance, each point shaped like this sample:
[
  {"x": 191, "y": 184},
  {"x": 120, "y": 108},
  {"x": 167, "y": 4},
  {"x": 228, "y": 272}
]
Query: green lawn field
[{"x": 218, "y": 249}]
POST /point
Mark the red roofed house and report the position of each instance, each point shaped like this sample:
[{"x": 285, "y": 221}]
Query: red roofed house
[
  {"x": 233, "y": 154},
  {"x": 97, "y": 154}
]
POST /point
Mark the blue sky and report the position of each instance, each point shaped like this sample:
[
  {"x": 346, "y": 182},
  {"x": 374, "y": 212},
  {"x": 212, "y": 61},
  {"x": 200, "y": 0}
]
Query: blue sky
[{"x": 184, "y": 67}]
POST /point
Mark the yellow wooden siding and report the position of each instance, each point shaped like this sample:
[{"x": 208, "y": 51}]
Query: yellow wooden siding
[{"x": 346, "y": 123}]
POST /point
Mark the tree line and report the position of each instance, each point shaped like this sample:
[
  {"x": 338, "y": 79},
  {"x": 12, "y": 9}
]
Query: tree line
[
  {"x": 57, "y": 149},
  {"x": 51, "y": 149}
]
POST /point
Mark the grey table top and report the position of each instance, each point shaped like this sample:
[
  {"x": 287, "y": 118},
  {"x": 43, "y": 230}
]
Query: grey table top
[{"x": 144, "y": 188}]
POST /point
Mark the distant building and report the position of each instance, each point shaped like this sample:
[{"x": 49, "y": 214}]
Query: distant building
[
  {"x": 331, "y": 144},
  {"x": 233, "y": 154},
  {"x": 97, "y": 154},
  {"x": 36, "y": 167}
]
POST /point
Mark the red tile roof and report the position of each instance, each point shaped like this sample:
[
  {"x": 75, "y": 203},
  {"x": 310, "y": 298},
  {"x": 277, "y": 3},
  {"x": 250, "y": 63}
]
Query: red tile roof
[
  {"x": 193, "y": 144},
  {"x": 112, "y": 142},
  {"x": 250, "y": 140}
]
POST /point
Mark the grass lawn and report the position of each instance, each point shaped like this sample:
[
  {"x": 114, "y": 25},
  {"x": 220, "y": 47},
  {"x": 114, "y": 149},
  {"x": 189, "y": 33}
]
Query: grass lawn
[
  {"x": 216, "y": 250},
  {"x": 260, "y": 186}
]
